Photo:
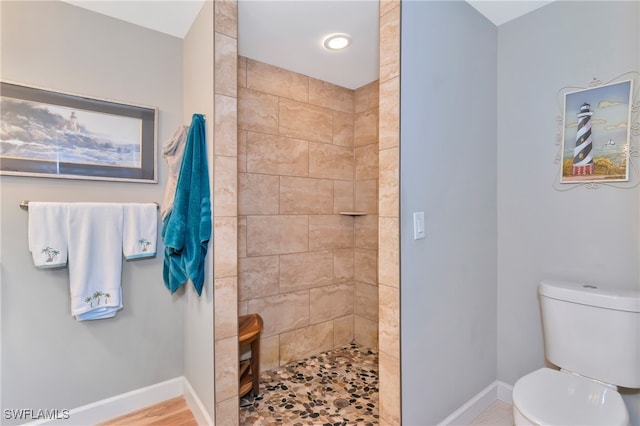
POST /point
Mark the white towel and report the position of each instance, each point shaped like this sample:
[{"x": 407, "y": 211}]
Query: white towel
[
  {"x": 48, "y": 234},
  {"x": 140, "y": 230},
  {"x": 95, "y": 259},
  {"x": 172, "y": 151}
]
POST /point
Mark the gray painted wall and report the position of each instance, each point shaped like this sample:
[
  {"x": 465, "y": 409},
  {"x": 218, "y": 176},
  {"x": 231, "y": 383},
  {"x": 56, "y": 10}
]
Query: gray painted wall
[
  {"x": 198, "y": 318},
  {"x": 588, "y": 235},
  {"x": 448, "y": 170},
  {"x": 49, "y": 360}
]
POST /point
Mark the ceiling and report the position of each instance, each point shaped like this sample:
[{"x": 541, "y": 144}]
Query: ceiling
[{"x": 289, "y": 34}]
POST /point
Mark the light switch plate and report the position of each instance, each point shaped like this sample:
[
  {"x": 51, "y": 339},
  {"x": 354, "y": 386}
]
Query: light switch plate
[{"x": 418, "y": 225}]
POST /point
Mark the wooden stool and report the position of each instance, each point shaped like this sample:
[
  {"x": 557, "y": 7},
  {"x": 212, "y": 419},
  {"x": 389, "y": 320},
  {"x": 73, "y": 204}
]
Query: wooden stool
[{"x": 249, "y": 329}]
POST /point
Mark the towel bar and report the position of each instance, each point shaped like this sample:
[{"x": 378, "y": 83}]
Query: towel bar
[{"x": 24, "y": 204}]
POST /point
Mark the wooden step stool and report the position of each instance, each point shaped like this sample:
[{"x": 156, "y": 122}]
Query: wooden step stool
[{"x": 249, "y": 330}]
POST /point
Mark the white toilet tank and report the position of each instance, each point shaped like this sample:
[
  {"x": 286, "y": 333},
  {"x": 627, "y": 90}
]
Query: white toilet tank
[{"x": 592, "y": 331}]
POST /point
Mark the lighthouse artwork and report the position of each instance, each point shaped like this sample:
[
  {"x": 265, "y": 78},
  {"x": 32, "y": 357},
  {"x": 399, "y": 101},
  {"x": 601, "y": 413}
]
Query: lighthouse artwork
[
  {"x": 596, "y": 134},
  {"x": 53, "y": 134},
  {"x": 582, "y": 155}
]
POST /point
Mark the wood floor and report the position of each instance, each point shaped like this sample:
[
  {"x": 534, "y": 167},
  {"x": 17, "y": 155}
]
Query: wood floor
[{"x": 172, "y": 412}]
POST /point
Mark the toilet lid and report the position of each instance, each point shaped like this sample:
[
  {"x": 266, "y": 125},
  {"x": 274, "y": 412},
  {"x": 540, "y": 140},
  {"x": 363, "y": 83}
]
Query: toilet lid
[{"x": 551, "y": 397}]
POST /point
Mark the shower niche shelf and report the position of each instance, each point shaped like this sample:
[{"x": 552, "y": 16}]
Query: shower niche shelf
[{"x": 353, "y": 213}]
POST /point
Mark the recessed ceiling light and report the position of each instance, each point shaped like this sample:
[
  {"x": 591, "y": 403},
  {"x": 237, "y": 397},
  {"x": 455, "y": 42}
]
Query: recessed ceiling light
[{"x": 337, "y": 41}]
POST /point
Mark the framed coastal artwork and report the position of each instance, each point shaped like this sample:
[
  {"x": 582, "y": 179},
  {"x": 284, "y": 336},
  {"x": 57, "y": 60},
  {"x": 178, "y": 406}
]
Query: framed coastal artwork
[
  {"x": 58, "y": 135},
  {"x": 596, "y": 132}
]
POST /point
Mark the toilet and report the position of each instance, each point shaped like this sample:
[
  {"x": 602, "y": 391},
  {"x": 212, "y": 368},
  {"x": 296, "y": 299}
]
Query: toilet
[{"x": 593, "y": 335}]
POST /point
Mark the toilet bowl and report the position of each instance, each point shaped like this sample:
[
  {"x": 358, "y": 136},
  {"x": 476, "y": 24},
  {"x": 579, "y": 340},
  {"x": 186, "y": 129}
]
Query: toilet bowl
[
  {"x": 593, "y": 335},
  {"x": 552, "y": 397}
]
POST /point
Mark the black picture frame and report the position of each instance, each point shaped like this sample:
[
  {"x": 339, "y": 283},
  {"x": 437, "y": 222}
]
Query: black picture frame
[{"x": 37, "y": 140}]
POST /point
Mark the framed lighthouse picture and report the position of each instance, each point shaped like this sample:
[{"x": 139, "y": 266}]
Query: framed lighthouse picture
[
  {"x": 596, "y": 134},
  {"x": 60, "y": 135}
]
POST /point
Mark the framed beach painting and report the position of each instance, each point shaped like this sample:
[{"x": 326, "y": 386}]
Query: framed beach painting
[
  {"x": 52, "y": 134},
  {"x": 596, "y": 133}
]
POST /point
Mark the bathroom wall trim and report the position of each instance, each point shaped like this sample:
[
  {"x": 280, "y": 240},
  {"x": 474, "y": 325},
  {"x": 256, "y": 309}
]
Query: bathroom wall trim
[
  {"x": 481, "y": 401},
  {"x": 195, "y": 404},
  {"x": 124, "y": 403}
]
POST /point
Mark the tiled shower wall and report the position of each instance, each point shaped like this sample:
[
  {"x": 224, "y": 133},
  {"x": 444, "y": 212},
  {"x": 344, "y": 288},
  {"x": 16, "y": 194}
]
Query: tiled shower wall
[
  {"x": 365, "y": 140},
  {"x": 225, "y": 221},
  {"x": 389, "y": 214},
  {"x": 305, "y": 155}
]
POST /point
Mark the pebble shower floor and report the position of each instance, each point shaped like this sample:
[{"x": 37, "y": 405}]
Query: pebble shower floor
[{"x": 337, "y": 387}]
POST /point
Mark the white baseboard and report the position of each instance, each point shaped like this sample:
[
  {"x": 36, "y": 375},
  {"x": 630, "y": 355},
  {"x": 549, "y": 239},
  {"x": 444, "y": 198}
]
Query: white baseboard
[
  {"x": 475, "y": 406},
  {"x": 505, "y": 392},
  {"x": 118, "y": 405},
  {"x": 195, "y": 404}
]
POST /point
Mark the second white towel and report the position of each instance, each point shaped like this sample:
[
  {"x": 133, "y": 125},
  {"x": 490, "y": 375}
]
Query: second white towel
[
  {"x": 95, "y": 259},
  {"x": 140, "y": 230}
]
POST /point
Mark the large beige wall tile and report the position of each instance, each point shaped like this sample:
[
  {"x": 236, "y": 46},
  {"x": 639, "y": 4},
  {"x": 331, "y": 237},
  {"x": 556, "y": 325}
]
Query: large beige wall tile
[
  {"x": 303, "y": 121},
  {"x": 242, "y": 236},
  {"x": 306, "y": 195},
  {"x": 366, "y": 97},
  {"x": 343, "y": 265},
  {"x": 274, "y": 155},
  {"x": 390, "y": 44},
  {"x": 226, "y": 71},
  {"x": 269, "y": 353},
  {"x": 367, "y": 301},
  {"x": 343, "y": 198},
  {"x": 389, "y": 396},
  {"x": 226, "y": 367},
  {"x": 227, "y": 413},
  {"x": 277, "y": 81},
  {"x": 282, "y": 312},
  {"x": 389, "y": 119},
  {"x": 242, "y": 151},
  {"x": 366, "y": 162},
  {"x": 389, "y": 320},
  {"x": 384, "y": 422},
  {"x": 367, "y": 196},
  {"x": 257, "y": 111},
  {"x": 387, "y": 5},
  {"x": 277, "y": 234},
  {"x": 388, "y": 247},
  {"x": 366, "y": 232},
  {"x": 258, "y": 194},
  {"x": 365, "y": 265},
  {"x": 306, "y": 341},
  {"x": 330, "y": 161},
  {"x": 243, "y": 308},
  {"x": 365, "y": 332},
  {"x": 342, "y": 331},
  {"x": 328, "y": 95},
  {"x": 330, "y": 232},
  {"x": 225, "y": 234},
  {"x": 226, "y": 307},
  {"x": 365, "y": 128},
  {"x": 226, "y": 17},
  {"x": 242, "y": 71},
  {"x": 330, "y": 302},
  {"x": 343, "y": 128},
  {"x": 225, "y": 185},
  {"x": 258, "y": 277},
  {"x": 389, "y": 182},
  {"x": 226, "y": 126},
  {"x": 306, "y": 270}
]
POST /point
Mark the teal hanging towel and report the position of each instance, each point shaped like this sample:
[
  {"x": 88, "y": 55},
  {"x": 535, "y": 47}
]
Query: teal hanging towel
[{"x": 187, "y": 228}]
